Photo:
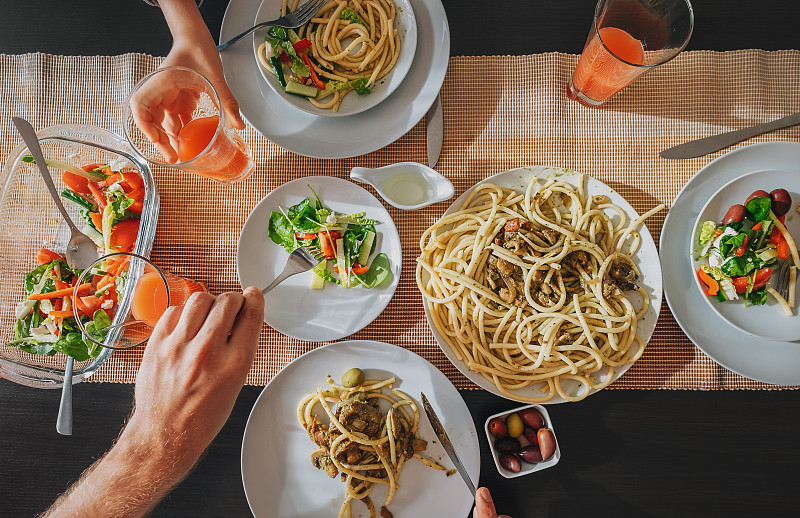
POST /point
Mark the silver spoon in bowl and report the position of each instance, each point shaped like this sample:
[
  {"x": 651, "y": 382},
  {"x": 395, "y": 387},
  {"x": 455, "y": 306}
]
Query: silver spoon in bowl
[{"x": 81, "y": 253}]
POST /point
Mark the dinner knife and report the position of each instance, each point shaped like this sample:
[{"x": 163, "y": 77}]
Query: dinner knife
[
  {"x": 434, "y": 131},
  {"x": 704, "y": 146},
  {"x": 445, "y": 440}
]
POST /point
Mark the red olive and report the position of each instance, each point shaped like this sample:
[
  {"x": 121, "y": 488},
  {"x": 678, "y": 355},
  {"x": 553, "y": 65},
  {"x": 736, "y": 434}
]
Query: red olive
[
  {"x": 547, "y": 442},
  {"x": 498, "y": 428},
  {"x": 507, "y": 445},
  {"x": 532, "y": 418},
  {"x": 531, "y": 454},
  {"x": 781, "y": 201},
  {"x": 510, "y": 462},
  {"x": 734, "y": 215},
  {"x": 530, "y": 434},
  {"x": 757, "y": 194}
]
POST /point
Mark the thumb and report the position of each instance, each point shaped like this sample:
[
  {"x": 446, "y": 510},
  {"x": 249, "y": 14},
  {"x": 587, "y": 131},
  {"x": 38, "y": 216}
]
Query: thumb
[{"x": 230, "y": 106}]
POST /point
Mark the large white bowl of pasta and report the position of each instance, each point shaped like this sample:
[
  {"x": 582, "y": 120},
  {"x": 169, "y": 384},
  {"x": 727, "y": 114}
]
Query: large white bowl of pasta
[
  {"x": 541, "y": 285},
  {"x": 359, "y": 51}
]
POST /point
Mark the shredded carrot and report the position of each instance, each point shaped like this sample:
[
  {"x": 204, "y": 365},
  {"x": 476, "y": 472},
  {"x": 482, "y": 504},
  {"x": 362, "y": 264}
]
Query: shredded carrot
[
  {"x": 83, "y": 288},
  {"x": 117, "y": 265},
  {"x": 61, "y": 314}
]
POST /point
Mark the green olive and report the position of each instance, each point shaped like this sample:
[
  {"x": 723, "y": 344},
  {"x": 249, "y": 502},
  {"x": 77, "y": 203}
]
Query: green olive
[
  {"x": 515, "y": 425},
  {"x": 353, "y": 378}
]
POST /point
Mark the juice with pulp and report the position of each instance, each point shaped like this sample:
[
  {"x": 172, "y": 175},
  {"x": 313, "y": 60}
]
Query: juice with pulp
[
  {"x": 599, "y": 74},
  {"x": 225, "y": 160}
]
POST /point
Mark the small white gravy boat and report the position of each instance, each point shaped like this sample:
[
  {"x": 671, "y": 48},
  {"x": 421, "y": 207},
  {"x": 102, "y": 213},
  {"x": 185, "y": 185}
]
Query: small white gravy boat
[{"x": 406, "y": 185}]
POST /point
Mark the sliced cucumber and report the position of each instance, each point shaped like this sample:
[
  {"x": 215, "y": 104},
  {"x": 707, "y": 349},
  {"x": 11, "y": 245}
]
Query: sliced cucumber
[
  {"x": 366, "y": 248},
  {"x": 317, "y": 282},
  {"x": 293, "y": 87}
]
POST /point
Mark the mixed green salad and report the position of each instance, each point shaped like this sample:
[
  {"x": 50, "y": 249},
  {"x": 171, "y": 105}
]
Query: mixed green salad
[
  {"x": 344, "y": 241},
  {"x": 743, "y": 250}
]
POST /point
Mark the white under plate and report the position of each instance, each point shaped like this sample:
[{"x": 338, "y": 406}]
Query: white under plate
[
  {"x": 737, "y": 351},
  {"x": 279, "y": 480},
  {"x": 337, "y": 137},
  {"x": 406, "y": 26},
  {"x": 646, "y": 259},
  {"x": 768, "y": 321},
  {"x": 292, "y": 307}
]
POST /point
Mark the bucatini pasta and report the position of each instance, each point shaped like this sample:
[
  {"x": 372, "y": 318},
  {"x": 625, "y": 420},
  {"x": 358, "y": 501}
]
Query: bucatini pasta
[
  {"x": 531, "y": 288},
  {"x": 362, "y": 442},
  {"x": 353, "y": 44}
]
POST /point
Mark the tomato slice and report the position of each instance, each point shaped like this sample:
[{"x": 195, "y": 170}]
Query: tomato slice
[
  {"x": 123, "y": 235},
  {"x": 762, "y": 277},
  {"x": 327, "y": 242},
  {"x": 76, "y": 182},
  {"x": 46, "y": 255}
]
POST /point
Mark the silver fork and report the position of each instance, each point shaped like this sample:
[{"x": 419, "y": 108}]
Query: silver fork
[
  {"x": 301, "y": 260},
  {"x": 782, "y": 285},
  {"x": 301, "y": 16}
]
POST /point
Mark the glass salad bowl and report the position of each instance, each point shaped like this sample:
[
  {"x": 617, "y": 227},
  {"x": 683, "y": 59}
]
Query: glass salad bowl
[{"x": 29, "y": 221}]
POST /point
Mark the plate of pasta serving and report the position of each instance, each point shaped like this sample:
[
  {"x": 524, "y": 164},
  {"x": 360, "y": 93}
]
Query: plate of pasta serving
[
  {"x": 340, "y": 432},
  {"x": 351, "y": 56},
  {"x": 541, "y": 284}
]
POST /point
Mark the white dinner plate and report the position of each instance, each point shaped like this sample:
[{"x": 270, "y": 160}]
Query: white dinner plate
[
  {"x": 292, "y": 307},
  {"x": 770, "y": 362},
  {"x": 279, "y": 480},
  {"x": 768, "y": 321},
  {"x": 339, "y": 137},
  {"x": 646, "y": 259},
  {"x": 406, "y": 26}
]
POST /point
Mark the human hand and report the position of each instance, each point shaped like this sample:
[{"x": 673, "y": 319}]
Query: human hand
[
  {"x": 484, "y": 507},
  {"x": 163, "y": 106},
  {"x": 194, "y": 365}
]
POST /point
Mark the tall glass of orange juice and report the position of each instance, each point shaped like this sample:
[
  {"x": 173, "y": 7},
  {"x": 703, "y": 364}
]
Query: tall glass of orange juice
[
  {"x": 128, "y": 296},
  {"x": 628, "y": 38},
  {"x": 173, "y": 119}
]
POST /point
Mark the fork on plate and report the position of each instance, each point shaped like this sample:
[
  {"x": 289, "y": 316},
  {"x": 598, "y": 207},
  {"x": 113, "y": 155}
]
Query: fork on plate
[
  {"x": 782, "y": 284},
  {"x": 301, "y": 16},
  {"x": 301, "y": 260}
]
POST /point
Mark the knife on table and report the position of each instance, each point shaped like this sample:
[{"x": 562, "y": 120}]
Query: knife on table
[
  {"x": 704, "y": 146},
  {"x": 434, "y": 131},
  {"x": 445, "y": 440}
]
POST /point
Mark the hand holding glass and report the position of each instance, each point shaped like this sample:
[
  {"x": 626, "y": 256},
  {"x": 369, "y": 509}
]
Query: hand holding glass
[{"x": 172, "y": 119}]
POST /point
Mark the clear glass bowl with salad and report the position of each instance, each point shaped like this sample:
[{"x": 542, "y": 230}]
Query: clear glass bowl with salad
[{"x": 31, "y": 223}]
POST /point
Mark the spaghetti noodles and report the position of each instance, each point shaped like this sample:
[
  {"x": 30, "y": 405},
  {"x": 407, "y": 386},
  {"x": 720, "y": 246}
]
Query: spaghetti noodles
[
  {"x": 364, "y": 444},
  {"x": 530, "y": 288}
]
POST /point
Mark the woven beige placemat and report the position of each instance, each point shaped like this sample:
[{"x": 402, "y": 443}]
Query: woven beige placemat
[{"x": 500, "y": 112}]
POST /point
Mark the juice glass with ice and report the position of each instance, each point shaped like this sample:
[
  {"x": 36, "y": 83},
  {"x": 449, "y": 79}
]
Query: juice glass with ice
[
  {"x": 628, "y": 38},
  {"x": 128, "y": 295},
  {"x": 173, "y": 119}
]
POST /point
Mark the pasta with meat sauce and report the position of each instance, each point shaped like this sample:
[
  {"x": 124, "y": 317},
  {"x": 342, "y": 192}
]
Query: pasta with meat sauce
[
  {"x": 532, "y": 288},
  {"x": 362, "y": 444}
]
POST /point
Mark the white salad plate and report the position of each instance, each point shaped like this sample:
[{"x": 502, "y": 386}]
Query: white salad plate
[
  {"x": 769, "y": 361},
  {"x": 337, "y": 137},
  {"x": 406, "y": 26},
  {"x": 279, "y": 480},
  {"x": 293, "y": 308},
  {"x": 646, "y": 259},
  {"x": 768, "y": 321}
]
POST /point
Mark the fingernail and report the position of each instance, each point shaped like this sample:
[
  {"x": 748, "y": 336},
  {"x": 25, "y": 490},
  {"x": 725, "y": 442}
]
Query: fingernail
[{"x": 485, "y": 495}]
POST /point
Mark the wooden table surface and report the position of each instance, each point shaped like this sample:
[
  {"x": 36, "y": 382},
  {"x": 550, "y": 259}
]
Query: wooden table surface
[{"x": 624, "y": 452}]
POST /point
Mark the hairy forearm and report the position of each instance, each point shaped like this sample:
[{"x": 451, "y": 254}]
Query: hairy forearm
[{"x": 130, "y": 479}]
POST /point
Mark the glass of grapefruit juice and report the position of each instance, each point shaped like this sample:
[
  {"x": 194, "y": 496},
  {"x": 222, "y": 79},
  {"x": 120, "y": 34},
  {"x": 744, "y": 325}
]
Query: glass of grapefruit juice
[
  {"x": 628, "y": 38},
  {"x": 172, "y": 119},
  {"x": 134, "y": 293}
]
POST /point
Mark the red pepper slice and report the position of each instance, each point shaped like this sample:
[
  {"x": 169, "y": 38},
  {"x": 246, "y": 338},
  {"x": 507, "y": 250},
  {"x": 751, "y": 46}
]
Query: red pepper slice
[
  {"x": 302, "y": 45},
  {"x": 741, "y": 250},
  {"x": 712, "y": 286},
  {"x": 314, "y": 77},
  {"x": 783, "y": 248},
  {"x": 304, "y": 235}
]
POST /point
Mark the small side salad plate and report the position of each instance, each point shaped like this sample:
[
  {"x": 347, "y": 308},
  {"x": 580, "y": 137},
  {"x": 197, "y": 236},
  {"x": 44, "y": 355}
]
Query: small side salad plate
[
  {"x": 767, "y": 320},
  {"x": 293, "y": 307},
  {"x": 406, "y": 26}
]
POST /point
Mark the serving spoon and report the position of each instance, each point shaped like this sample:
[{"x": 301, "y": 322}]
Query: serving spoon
[{"x": 81, "y": 253}]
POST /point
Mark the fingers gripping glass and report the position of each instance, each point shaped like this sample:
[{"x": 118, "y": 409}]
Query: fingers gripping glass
[
  {"x": 119, "y": 299},
  {"x": 173, "y": 119}
]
